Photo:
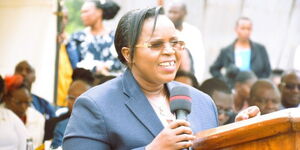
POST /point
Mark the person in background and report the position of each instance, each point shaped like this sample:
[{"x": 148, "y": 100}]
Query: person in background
[
  {"x": 221, "y": 94},
  {"x": 64, "y": 113},
  {"x": 65, "y": 69},
  {"x": 24, "y": 69},
  {"x": 99, "y": 79},
  {"x": 193, "y": 59},
  {"x": 93, "y": 48},
  {"x": 13, "y": 132},
  {"x": 243, "y": 83},
  {"x": 187, "y": 78},
  {"x": 147, "y": 43},
  {"x": 77, "y": 87},
  {"x": 290, "y": 90},
  {"x": 243, "y": 53},
  {"x": 265, "y": 95},
  {"x": 276, "y": 76},
  {"x": 18, "y": 99}
]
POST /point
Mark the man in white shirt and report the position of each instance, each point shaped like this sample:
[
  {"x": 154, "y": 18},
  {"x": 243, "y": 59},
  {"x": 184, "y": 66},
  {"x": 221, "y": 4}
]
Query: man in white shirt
[{"x": 191, "y": 36}]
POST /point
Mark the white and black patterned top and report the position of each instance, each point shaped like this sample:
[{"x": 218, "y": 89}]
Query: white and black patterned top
[{"x": 88, "y": 51}]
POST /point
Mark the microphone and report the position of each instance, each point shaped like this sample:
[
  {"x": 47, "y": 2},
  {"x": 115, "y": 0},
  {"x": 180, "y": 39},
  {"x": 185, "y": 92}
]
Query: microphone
[{"x": 180, "y": 102}]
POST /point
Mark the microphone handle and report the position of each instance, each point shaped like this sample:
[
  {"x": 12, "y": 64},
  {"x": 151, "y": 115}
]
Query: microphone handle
[{"x": 182, "y": 115}]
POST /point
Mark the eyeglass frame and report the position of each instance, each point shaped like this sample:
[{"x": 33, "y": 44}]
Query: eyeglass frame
[
  {"x": 162, "y": 45},
  {"x": 19, "y": 103},
  {"x": 290, "y": 86}
]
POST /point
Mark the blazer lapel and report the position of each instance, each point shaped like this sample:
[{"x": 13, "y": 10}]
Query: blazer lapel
[
  {"x": 253, "y": 52},
  {"x": 231, "y": 53},
  {"x": 139, "y": 105}
]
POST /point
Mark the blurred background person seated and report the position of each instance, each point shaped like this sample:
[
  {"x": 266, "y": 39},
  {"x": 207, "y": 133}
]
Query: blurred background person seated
[
  {"x": 18, "y": 99},
  {"x": 223, "y": 98},
  {"x": 13, "y": 132},
  {"x": 77, "y": 87},
  {"x": 24, "y": 69},
  {"x": 243, "y": 83},
  {"x": 265, "y": 95},
  {"x": 100, "y": 78},
  {"x": 290, "y": 90},
  {"x": 187, "y": 78},
  {"x": 64, "y": 112},
  {"x": 276, "y": 76}
]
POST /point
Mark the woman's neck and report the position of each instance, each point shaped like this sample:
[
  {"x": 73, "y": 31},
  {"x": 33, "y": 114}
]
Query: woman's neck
[
  {"x": 152, "y": 90},
  {"x": 98, "y": 28},
  {"x": 242, "y": 43}
]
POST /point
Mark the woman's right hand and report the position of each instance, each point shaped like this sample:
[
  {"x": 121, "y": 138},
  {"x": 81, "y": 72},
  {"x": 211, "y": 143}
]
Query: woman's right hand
[{"x": 177, "y": 135}]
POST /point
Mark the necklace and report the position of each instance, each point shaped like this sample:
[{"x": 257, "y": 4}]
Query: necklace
[{"x": 163, "y": 110}]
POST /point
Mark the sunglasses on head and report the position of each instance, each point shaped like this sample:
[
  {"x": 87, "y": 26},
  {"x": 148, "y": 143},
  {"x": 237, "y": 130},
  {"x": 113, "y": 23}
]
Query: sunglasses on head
[{"x": 291, "y": 86}]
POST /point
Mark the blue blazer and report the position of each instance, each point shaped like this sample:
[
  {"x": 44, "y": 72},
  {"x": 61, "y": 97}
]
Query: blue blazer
[{"x": 117, "y": 115}]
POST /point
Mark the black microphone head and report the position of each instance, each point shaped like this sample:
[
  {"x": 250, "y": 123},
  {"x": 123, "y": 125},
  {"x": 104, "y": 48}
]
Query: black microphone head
[{"x": 180, "y": 99}]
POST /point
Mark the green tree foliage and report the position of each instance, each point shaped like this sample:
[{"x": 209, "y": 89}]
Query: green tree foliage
[{"x": 74, "y": 22}]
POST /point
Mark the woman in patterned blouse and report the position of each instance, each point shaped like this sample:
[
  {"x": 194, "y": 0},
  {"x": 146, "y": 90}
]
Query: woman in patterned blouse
[{"x": 93, "y": 47}]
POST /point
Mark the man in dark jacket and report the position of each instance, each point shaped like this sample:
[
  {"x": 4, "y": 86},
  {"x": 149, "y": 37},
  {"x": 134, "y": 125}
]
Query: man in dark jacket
[{"x": 242, "y": 55}]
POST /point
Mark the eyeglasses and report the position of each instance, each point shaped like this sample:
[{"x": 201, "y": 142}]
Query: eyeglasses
[
  {"x": 159, "y": 45},
  {"x": 291, "y": 86},
  {"x": 19, "y": 103},
  {"x": 71, "y": 97},
  {"x": 227, "y": 112}
]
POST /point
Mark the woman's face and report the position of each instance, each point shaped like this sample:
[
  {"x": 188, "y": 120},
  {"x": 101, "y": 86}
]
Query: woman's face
[
  {"x": 90, "y": 14},
  {"x": 19, "y": 101},
  {"x": 156, "y": 65}
]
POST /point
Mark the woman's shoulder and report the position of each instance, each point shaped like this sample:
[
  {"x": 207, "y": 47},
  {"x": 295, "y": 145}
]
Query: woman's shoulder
[
  {"x": 193, "y": 91},
  {"x": 78, "y": 36},
  {"x": 110, "y": 89}
]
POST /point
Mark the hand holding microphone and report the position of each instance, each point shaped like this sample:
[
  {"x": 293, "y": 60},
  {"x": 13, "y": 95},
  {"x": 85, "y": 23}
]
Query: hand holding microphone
[{"x": 178, "y": 134}]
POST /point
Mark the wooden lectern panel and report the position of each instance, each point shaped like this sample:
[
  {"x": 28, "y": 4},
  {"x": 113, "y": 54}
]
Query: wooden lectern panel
[{"x": 274, "y": 131}]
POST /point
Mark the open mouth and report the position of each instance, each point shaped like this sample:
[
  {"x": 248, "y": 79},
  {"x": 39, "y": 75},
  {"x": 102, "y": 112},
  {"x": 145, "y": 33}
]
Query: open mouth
[{"x": 167, "y": 64}]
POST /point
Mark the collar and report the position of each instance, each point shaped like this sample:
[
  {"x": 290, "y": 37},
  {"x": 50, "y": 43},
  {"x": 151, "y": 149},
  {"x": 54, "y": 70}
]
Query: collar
[{"x": 139, "y": 105}]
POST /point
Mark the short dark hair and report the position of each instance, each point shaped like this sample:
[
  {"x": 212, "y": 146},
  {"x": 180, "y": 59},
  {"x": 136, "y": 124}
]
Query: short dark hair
[
  {"x": 181, "y": 73},
  {"x": 103, "y": 78},
  {"x": 278, "y": 72},
  {"x": 84, "y": 75},
  {"x": 289, "y": 73},
  {"x": 244, "y": 76},
  {"x": 129, "y": 29},
  {"x": 109, "y": 7},
  {"x": 242, "y": 18},
  {"x": 1, "y": 86},
  {"x": 214, "y": 84},
  {"x": 263, "y": 84}
]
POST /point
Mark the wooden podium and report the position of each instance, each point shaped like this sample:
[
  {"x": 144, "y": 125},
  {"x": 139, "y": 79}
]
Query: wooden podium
[{"x": 274, "y": 131}]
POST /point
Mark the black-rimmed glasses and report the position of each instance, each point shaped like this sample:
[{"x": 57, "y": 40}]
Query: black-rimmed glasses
[{"x": 291, "y": 86}]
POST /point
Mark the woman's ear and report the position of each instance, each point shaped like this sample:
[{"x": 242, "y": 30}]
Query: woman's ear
[{"x": 126, "y": 54}]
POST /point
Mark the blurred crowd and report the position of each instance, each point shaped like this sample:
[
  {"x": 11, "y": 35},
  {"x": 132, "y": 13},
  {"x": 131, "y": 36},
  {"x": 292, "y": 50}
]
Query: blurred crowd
[{"x": 241, "y": 76}]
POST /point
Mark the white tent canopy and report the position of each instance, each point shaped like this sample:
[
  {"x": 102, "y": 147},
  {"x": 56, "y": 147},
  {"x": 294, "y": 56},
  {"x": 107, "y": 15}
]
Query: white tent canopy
[{"x": 28, "y": 30}]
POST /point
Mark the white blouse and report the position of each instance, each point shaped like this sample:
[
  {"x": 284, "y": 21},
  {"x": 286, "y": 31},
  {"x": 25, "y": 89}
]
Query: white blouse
[{"x": 13, "y": 133}]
